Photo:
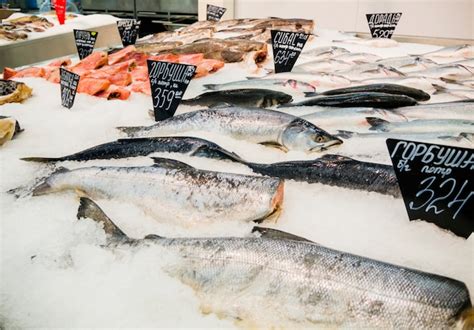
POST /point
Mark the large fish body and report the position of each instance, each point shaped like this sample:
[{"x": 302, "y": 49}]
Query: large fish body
[
  {"x": 449, "y": 126},
  {"x": 174, "y": 192},
  {"x": 247, "y": 97},
  {"x": 337, "y": 117},
  {"x": 446, "y": 110},
  {"x": 284, "y": 85},
  {"x": 337, "y": 171},
  {"x": 358, "y": 99},
  {"x": 255, "y": 125},
  {"x": 125, "y": 148},
  {"x": 280, "y": 280},
  {"x": 461, "y": 138}
]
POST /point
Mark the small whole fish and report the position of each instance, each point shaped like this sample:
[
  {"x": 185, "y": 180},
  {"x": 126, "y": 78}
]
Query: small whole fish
[
  {"x": 463, "y": 110},
  {"x": 323, "y": 53},
  {"x": 395, "y": 89},
  {"x": 370, "y": 70},
  {"x": 357, "y": 58},
  {"x": 375, "y": 42},
  {"x": 462, "y": 93},
  {"x": 321, "y": 80},
  {"x": 267, "y": 127},
  {"x": 359, "y": 99},
  {"x": 458, "y": 51},
  {"x": 337, "y": 171},
  {"x": 246, "y": 97},
  {"x": 125, "y": 148},
  {"x": 281, "y": 280},
  {"x": 9, "y": 128},
  {"x": 285, "y": 85},
  {"x": 423, "y": 83},
  {"x": 174, "y": 192},
  {"x": 453, "y": 126},
  {"x": 13, "y": 91},
  {"x": 327, "y": 66},
  {"x": 448, "y": 72},
  {"x": 451, "y": 137},
  {"x": 408, "y": 63}
]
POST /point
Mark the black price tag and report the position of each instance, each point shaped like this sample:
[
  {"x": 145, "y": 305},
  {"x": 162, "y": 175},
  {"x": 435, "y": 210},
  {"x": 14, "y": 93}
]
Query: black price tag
[
  {"x": 215, "y": 13},
  {"x": 287, "y": 46},
  {"x": 436, "y": 183},
  {"x": 128, "y": 29},
  {"x": 85, "y": 41},
  {"x": 68, "y": 82},
  {"x": 382, "y": 25},
  {"x": 168, "y": 83}
]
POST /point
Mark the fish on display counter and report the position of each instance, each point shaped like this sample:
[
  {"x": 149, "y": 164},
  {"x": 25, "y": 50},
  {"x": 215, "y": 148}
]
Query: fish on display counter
[
  {"x": 125, "y": 148},
  {"x": 323, "y": 53},
  {"x": 458, "y": 51},
  {"x": 450, "y": 72},
  {"x": 423, "y": 83},
  {"x": 448, "y": 126},
  {"x": 408, "y": 63},
  {"x": 280, "y": 280},
  {"x": 266, "y": 127},
  {"x": 463, "y": 93},
  {"x": 9, "y": 128},
  {"x": 247, "y": 97},
  {"x": 13, "y": 91},
  {"x": 321, "y": 80},
  {"x": 357, "y": 58},
  {"x": 284, "y": 85},
  {"x": 374, "y": 42},
  {"x": 327, "y": 66},
  {"x": 370, "y": 70},
  {"x": 179, "y": 194},
  {"x": 455, "y": 138}
]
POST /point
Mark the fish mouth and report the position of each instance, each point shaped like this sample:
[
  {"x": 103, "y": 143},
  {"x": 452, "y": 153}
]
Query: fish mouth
[{"x": 325, "y": 146}]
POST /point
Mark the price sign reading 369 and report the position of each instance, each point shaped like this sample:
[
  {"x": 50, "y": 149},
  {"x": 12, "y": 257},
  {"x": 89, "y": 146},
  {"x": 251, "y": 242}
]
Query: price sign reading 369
[
  {"x": 436, "y": 182},
  {"x": 168, "y": 83}
]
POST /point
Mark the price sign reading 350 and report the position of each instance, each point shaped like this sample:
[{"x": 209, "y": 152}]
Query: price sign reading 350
[
  {"x": 436, "y": 183},
  {"x": 168, "y": 83}
]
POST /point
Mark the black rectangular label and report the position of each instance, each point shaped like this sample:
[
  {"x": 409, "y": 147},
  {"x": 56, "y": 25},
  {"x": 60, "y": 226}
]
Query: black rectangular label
[
  {"x": 128, "y": 30},
  {"x": 436, "y": 183},
  {"x": 68, "y": 82},
  {"x": 382, "y": 25},
  {"x": 287, "y": 47},
  {"x": 85, "y": 41},
  {"x": 215, "y": 13},
  {"x": 168, "y": 83}
]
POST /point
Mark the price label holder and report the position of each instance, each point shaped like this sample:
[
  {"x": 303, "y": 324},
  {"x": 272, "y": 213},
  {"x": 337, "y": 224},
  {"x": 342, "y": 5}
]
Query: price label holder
[
  {"x": 436, "y": 182},
  {"x": 287, "y": 47},
  {"x": 68, "y": 82},
  {"x": 382, "y": 25},
  {"x": 85, "y": 42},
  {"x": 128, "y": 30},
  {"x": 215, "y": 13},
  {"x": 168, "y": 83}
]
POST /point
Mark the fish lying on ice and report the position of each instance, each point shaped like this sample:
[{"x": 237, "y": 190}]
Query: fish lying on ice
[
  {"x": 408, "y": 63},
  {"x": 337, "y": 171},
  {"x": 375, "y": 42},
  {"x": 370, "y": 70},
  {"x": 284, "y": 85},
  {"x": 423, "y": 83},
  {"x": 359, "y": 99},
  {"x": 279, "y": 281},
  {"x": 318, "y": 66},
  {"x": 124, "y": 148},
  {"x": 174, "y": 192},
  {"x": 321, "y": 80},
  {"x": 9, "y": 128},
  {"x": 323, "y": 53},
  {"x": 452, "y": 72},
  {"x": 249, "y": 97},
  {"x": 462, "y": 138},
  {"x": 453, "y": 126},
  {"x": 463, "y": 93},
  {"x": 396, "y": 89},
  {"x": 267, "y": 127},
  {"x": 13, "y": 91},
  {"x": 357, "y": 58},
  {"x": 463, "y": 110},
  {"x": 458, "y": 51}
]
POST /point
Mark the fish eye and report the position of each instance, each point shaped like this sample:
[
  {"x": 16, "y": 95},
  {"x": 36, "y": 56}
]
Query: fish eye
[{"x": 319, "y": 139}]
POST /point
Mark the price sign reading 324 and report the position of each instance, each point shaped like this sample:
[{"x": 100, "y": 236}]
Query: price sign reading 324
[
  {"x": 168, "y": 83},
  {"x": 436, "y": 183}
]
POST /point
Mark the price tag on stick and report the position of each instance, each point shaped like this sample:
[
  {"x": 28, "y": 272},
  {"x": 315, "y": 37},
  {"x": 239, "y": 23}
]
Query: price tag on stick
[
  {"x": 382, "y": 25},
  {"x": 287, "y": 47},
  {"x": 168, "y": 83},
  {"x": 128, "y": 30},
  {"x": 85, "y": 41},
  {"x": 215, "y": 13},
  {"x": 68, "y": 82},
  {"x": 436, "y": 182}
]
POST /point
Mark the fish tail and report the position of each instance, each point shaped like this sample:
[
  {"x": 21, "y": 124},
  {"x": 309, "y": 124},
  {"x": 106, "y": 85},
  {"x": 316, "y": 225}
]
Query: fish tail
[
  {"x": 377, "y": 124},
  {"x": 466, "y": 320},
  {"x": 211, "y": 86},
  {"x": 39, "y": 187},
  {"x": 439, "y": 89},
  {"x": 89, "y": 209},
  {"x": 40, "y": 159},
  {"x": 131, "y": 130}
]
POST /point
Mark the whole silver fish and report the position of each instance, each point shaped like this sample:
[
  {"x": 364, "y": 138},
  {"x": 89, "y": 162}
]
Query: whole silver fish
[
  {"x": 279, "y": 280},
  {"x": 323, "y": 53},
  {"x": 462, "y": 92},
  {"x": 357, "y": 58},
  {"x": 321, "y": 80},
  {"x": 370, "y": 70},
  {"x": 449, "y": 126},
  {"x": 467, "y": 138},
  {"x": 262, "y": 126},
  {"x": 458, "y": 51},
  {"x": 463, "y": 110},
  {"x": 174, "y": 192},
  {"x": 408, "y": 63},
  {"x": 449, "y": 72},
  {"x": 469, "y": 63},
  {"x": 285, "y": 85},
  {"x": 423, "y": 83},
  {"x": 374, "y": 42},
  {"x": 327, "y": 66}
]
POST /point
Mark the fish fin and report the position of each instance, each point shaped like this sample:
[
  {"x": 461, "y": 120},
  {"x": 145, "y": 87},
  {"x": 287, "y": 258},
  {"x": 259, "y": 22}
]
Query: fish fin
[
  {"x": 170, "y": 163},
  {"x": 153, "y": 236},
  {"x": 131, "y": 130},
  {"x": 309, "y": 94},
  {"x": 40, "y": 159},
  {"x": 360, "y": 62},
  {"x": 273, "y": 144},
  {"x": 278, "y": 234},
  {"x": 216, "y": 153},
  {"x": 219, "y": 105},
  {"x": 345, "y": 134},
  {"x": 439, "y": 89},
  {"x": 449, "y": 81},
  {"x": 38, "y": 187},
  {"x": 211, "y": 86},
  {"x": 335, "y": 157},
  {"x": 252, "y": 78},
  {"x": 377, "y": 124},
  {"x": 89, "y": 209},
  {"x": 466, "y": 319}
]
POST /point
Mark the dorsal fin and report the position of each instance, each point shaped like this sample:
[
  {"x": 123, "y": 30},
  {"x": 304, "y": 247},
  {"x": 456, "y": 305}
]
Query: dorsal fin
[
  {"x": 170, "y": 163},
  {"x": 335, "y": 157},
  {"x": 278, "y": 234}
]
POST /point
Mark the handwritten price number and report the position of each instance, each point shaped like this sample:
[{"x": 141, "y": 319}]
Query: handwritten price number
[
  {"x": 382, "y": 33},
  {"x": 431, "y": 200},
  {"x": 162, "y": 96},
  {"x": 283, "y": 56}
]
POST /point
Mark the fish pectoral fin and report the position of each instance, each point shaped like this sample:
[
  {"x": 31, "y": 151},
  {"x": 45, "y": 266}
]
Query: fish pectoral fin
[
  {"x": 89, "y": 209},
  {"x": 273, "y": 144},
  {"x": 278, "y": 234},
  {"x": 219, "y": 105},
  {"x": 170, "y": 163}
]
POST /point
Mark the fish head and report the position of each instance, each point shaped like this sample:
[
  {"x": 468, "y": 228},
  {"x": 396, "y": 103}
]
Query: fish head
[
  {"x": 277, "y": 99},
  {"x": 304, "y": 136},
  {"x": 299, "y": 85}
]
